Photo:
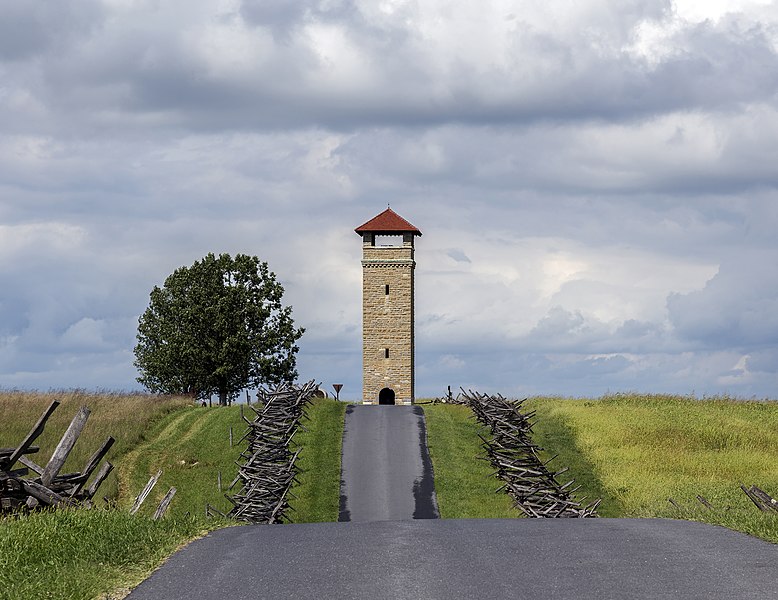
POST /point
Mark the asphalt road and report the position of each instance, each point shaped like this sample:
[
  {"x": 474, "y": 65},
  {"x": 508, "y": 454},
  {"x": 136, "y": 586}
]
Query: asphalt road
[
  {"x": 395, "y": 548},
  {"x": 386, "y": 473},
  {"x": 534, "y": 559}
]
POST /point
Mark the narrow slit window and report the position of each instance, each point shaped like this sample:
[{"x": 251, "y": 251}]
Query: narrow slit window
[
  {"x": 386, "y": 290},
  {"x": 386, "y": 352}
]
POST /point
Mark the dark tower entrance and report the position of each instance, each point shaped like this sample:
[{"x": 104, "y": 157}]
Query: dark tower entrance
[{"x": 386, "y": 396}]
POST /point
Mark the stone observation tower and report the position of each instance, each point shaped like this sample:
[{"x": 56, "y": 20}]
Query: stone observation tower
[{"x": 387, "y": 309}]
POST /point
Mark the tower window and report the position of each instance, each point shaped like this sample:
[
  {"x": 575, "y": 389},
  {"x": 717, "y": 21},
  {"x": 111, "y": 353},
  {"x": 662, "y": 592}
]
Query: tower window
[
  {"x": 394, "y": 241},
  {"x": 386, "y": 290},
  {"x": 386, "y": 352}
]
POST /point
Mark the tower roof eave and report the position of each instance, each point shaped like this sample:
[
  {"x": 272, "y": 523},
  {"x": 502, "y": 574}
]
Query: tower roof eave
[{"x": 387, "y": 223}]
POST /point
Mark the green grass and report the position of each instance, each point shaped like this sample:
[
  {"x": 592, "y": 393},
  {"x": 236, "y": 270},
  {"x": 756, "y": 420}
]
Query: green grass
[
  {"x": 82, "y": 554},
  {"x": 464, "y": 484},
  {"x": 191, "y": 446},
  {"x": 635, "y": 451},
  {"x": 558, "y": 438},
  {"x": 317, "y": 497}
]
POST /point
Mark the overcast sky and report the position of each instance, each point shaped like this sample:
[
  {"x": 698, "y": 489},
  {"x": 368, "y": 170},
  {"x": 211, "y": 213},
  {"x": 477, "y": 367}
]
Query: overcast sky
[{"x": 596, "y": 182}]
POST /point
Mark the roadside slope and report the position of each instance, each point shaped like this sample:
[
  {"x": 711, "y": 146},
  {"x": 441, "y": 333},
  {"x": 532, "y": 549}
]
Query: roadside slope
[{"x": 636, "y": 451}]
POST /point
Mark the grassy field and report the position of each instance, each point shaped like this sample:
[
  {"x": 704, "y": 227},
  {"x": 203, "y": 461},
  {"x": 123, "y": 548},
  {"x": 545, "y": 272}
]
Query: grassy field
[
  {"x": 82, "y": 554},
  {"x": 636, "y": 451},
  {"x": 79, "y": 553},
  {"x": 192, "y": 447},
  {"x": 633, "y": 451}
]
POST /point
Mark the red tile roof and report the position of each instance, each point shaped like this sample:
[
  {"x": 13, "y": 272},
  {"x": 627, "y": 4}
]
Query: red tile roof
[{"x": 387, "y": 223}]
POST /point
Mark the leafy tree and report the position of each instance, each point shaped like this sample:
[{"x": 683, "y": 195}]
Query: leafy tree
[{"x": 216, "y": 327}]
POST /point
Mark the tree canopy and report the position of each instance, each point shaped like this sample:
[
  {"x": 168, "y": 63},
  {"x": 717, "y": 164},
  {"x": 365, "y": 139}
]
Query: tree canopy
[{"x": 217, "y": 327}]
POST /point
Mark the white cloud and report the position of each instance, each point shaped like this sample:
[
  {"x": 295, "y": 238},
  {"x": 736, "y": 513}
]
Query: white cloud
[
  {"x": 85, "y": 334},
  {"x": 29, "y": 240}
]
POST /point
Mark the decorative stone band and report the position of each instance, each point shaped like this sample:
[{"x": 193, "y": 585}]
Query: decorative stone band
[{"x": 389, "y": 263}]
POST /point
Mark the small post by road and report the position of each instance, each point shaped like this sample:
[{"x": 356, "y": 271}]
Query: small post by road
[{"x": 337, "y": 387}]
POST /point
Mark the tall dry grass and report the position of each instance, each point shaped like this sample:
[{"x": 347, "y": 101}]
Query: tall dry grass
[{"x": 126, "y": 417}]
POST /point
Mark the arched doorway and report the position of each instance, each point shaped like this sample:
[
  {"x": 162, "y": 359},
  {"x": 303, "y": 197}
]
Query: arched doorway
[{"x": 386, "y": 396}]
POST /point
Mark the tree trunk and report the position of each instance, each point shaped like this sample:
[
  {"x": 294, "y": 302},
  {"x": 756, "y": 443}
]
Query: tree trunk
[{"x": 222, "y": 397}]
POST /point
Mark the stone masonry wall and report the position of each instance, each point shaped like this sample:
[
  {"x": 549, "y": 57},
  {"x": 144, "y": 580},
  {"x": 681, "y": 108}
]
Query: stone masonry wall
[{"x": 387, "y": 322}]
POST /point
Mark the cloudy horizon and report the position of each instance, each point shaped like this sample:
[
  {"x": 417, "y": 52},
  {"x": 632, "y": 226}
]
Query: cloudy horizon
[{"x": 596, "y": 183}]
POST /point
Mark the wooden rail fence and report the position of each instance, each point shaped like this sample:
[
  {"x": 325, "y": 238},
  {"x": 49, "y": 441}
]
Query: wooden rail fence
[
  {"x": 268, "y": 468},
  {"x": 534, "y": 488},
  {"x": 47, "y": 486}
]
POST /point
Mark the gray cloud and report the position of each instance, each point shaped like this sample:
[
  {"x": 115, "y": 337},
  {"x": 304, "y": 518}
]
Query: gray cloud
[
  {"x": 345, "y": 65},
  {"x": 458, "y": 255},
  {"x": 737, "y": 308},
  {"x": 763, "y": 361},
  {"x": 285, "y": 18},
  {"x": 595, "y": 184},
  {"x": 30, "y": 29}
]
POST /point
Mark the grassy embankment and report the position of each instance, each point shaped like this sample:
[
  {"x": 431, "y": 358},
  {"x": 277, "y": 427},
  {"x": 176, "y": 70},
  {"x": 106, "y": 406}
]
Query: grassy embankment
[
  {"x": 192, "y": 447},
  {"x": 317, "y": 497},
  {"x": 80, "y": 554},
  {"x": 636, "y": 451},
  {"x": 633, "y": 451},
  {"x": 464, "y": 486}
]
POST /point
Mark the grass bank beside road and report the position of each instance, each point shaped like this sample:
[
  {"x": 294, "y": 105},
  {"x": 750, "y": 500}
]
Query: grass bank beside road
[
  {"x": 192, "y": 447},
  {"x": 636, "y": 451},
  {"x": 85, "y": 554},
  {"x": 82, "y": 554},
  {"x": 317, "y": 496},
  {"x": 464, "y": 485},
  {"x": 633, "y": 451}
]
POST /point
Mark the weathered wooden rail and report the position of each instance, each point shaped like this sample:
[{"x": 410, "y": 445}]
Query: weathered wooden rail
[
  {"x": 761, "y": 499},
  {"x": 534, "y": 487},
  {"x": 47, "y": 487},
  {"x": 268, "y": 469}
]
